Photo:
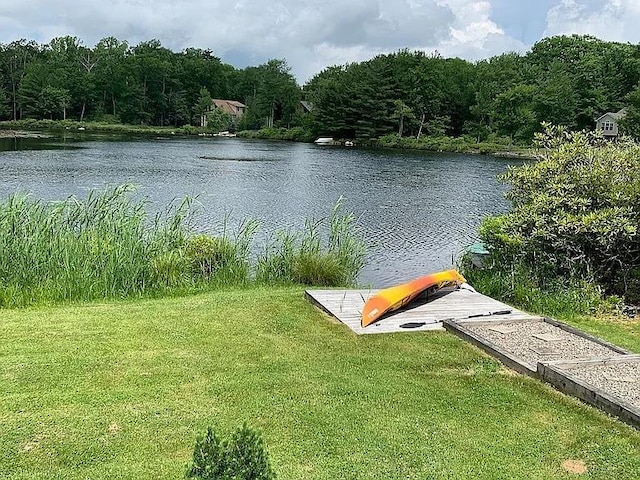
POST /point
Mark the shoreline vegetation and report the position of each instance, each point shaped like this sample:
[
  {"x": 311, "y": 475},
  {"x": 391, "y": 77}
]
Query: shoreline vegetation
[
  {"x": 502, "y": 147},
  {"x": 106, "y": 246}
]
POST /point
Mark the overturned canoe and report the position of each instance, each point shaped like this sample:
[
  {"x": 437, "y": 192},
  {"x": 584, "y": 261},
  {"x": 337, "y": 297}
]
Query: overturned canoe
[{"x": 393, "y": 298}]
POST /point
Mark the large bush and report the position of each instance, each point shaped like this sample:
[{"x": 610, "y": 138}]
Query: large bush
[{"x": 575, "y": 213}]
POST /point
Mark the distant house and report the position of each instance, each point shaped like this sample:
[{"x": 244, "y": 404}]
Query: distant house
[
  {"x": 235, "y": 109},
  {"x": 608, "y": 123},
  {"x": 306, "y": 106}
]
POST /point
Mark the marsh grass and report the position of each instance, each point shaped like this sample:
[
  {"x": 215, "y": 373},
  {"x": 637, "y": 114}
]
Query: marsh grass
[
  {"x": 81, "y": 249},
  {"x": 106, "y": 246},
  {"x": 557, "y": 297},
  {"x": 224, "y": 259},
  {"x": 314, "y": 256}
]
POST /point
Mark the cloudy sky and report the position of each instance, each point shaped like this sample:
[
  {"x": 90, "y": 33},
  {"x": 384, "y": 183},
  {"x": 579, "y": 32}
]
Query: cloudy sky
[{"x": 312, "y": 34}]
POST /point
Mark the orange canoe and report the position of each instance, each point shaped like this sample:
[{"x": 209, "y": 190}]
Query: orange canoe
[{"x": 393, "y": 298}]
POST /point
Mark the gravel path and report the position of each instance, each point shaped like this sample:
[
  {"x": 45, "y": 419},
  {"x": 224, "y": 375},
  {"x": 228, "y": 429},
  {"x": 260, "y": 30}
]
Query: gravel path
[
  {"x": 538, "y": 341},
  {"x": 620, "y": 379}
]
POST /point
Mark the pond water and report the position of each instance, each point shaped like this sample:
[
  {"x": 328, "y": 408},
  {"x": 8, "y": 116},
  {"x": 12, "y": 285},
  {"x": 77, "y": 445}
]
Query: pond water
[{"x": 417, "y": 211}]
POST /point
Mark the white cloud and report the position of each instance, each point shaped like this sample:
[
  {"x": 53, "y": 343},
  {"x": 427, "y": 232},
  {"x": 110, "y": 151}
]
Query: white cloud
[
  {"x": 474, "y": 35},
  {"x": 313, "y": 34},
  {"x": 615, "y": 20}
]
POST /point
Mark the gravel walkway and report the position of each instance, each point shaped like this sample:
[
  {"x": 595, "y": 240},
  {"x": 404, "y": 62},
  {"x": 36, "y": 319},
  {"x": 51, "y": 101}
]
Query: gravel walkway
[
  {"x": 620, "y": 379},
  {"x": 575, "y": 364},
  {"x": 538, "y": 341}
]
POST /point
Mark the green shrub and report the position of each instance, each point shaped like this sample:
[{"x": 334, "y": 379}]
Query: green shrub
[
  {"x": 443, "y": 143},
  {"x": 519, "y": 286},
  {"x": 208, "y": 254},
  {"x": 242, "y": 457},
  {"x": 222, "y": 259},
  {"x": 575, "y": 213},
  {"x": 297, "y": 134},
  {"x": 317, "y": 268}
]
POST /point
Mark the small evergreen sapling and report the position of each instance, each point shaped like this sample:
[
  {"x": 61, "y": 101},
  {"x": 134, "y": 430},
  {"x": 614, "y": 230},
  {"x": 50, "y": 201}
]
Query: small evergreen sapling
[{"x": 242, "y": 457}]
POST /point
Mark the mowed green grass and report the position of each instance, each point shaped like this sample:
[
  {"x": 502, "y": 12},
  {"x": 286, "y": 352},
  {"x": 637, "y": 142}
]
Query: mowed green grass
[{"x": 120, "y": 390}]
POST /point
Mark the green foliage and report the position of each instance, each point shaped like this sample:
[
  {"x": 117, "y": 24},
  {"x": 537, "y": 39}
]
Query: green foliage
[
  {"x": 270, "y": 93},
  {"x": 242, "y": 457},
  {"x": 567, "y": 80},
  {"x": 5, "y": 109},
  {"x": 220, "y": 258},
  {"x": 630, "y": 124},
  {"x": 296, "y": 134},
  {"x": 462, "y": 144},
  {"x": 203, "y": 104},
  {"x": 105, "y": 246},
  {"x": 97, "y": 247},
  {"x": 53, "y": 101},
  {"x": 105, "y": 125},
  {"x": 145, "y": 84},
  {"x": 309, "y": 259},
  {"x": 219, "y": 121},
  {"x": 170, "y": 268},
  {"x": 575, "y": 213},
  {"x": 521, "y": 286}
]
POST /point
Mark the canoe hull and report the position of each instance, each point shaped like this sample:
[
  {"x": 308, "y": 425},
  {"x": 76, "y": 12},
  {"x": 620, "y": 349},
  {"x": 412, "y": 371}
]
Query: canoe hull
[{"x": 393, "y": 298}]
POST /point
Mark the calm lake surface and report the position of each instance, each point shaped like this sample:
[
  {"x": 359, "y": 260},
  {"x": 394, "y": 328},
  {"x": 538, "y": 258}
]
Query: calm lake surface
[{"x": 416, "y": 210}]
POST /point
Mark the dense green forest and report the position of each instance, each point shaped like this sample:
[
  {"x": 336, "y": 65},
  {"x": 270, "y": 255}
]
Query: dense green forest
[
  {"x": 144, "y": 84},
  {"x": 567, "y": 81}
]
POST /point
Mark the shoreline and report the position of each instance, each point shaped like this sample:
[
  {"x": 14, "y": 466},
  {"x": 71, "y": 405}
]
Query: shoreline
[
  {"x": 47, "y": 129},
  {"x": 22, "y": 134}
]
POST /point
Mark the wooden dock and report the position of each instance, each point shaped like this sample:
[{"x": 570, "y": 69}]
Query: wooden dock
[{"x": 423, "y": 314}]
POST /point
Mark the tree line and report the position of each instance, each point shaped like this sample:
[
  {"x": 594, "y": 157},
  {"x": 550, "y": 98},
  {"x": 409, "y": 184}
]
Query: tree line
[
  {"x": 565, "y": 80},
  {"x": 143, "y": 84}
]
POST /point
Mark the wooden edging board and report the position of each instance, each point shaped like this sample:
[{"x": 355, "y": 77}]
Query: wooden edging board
[{"x": 558, "y": 373}]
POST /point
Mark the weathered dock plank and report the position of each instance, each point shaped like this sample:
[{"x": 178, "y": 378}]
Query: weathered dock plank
[{"x": 448, "y": 303}]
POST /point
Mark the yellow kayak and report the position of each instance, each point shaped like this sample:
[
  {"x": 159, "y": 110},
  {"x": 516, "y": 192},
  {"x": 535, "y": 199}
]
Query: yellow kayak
[{"x": 393, "y": 298}]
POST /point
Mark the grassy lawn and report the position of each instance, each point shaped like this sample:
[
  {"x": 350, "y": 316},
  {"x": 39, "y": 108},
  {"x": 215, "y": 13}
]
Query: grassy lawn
[{"x": 120, "y": 390}]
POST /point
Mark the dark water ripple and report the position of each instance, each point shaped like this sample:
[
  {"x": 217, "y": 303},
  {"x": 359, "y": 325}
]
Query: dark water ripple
[{"x": 416, "y": 210}]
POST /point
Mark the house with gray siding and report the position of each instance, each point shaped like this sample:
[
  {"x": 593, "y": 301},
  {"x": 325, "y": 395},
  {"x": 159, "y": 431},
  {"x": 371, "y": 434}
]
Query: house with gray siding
[{"x": 608, "y": 123}]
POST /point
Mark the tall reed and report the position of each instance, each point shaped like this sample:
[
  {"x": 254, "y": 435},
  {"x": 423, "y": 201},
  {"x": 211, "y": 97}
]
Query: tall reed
[
  {"x": 100, "y": 246},
  {"x": 106, "y": 246},
  {"x": 314, "y": 256}
]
